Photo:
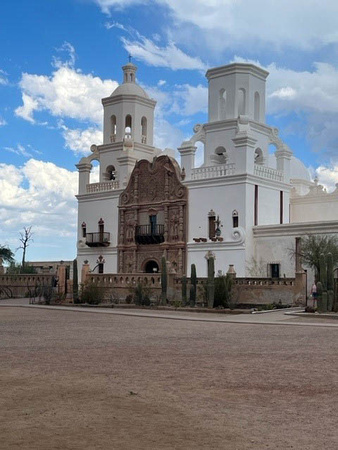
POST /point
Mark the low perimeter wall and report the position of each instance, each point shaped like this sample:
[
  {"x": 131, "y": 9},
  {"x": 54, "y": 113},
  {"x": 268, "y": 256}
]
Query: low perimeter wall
[
  {"x": 245, "y": 290},
  {"x": 23, "y": 285}
]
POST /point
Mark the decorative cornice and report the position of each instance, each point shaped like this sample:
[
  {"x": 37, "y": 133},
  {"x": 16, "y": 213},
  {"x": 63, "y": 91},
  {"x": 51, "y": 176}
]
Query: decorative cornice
[
  {"x": 296, "y": 229},
  {"x": 237, "y": 68},
  {"x": 107, "y": 101}
]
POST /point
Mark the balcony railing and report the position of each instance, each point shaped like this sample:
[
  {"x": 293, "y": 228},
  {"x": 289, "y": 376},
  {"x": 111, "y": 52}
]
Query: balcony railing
[
  {"x": 268, "y": 172},
  {"x": 149, "y": 234},
  {"x": 98, "y": 239},
  {"x": 202, "y": 173},
  {"x": 101, "y": 187}
]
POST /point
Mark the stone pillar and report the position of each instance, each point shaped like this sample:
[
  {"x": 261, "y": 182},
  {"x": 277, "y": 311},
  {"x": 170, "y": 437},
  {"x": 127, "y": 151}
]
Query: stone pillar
[
  {"x": 244, "y": 153},
  {"x": 84, "y": 272},
  {"x": 84, "y": 169},
  {"x": 187, "y": 152},
  {"x": 61, "y": 274},
  {"x": 283, "y": 159}
]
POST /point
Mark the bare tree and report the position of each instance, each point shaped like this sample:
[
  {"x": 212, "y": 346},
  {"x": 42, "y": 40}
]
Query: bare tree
[{"x": 25, "y": 239}]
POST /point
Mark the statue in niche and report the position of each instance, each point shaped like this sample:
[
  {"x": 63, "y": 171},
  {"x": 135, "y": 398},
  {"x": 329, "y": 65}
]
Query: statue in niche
[{"x": 174, "y": 222}]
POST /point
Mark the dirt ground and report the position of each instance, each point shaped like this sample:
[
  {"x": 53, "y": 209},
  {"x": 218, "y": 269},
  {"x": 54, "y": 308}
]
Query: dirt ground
[{"x": 71, "y": 380}]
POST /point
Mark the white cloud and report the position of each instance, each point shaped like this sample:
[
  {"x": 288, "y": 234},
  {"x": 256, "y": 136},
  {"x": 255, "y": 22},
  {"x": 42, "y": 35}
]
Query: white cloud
[
  {"x": 46, "y": 202},
  {"x": 79, "y": 141},
  {"x": 289, "y": 90},
  {"x": 19, "y": 150},
  {"x": 170, "y": 56},
  {"x": 328, "y": 176},
  {"x": 66, "y": 93},
  {"x": 70, "y": 50},
  {"x": 223, "y": 24},
  {"x": 3, "y": 77},
  {"x": 190, "y": 100},
  {"x": 105, "y": 5},
  {"x": 2, "y": 122}
]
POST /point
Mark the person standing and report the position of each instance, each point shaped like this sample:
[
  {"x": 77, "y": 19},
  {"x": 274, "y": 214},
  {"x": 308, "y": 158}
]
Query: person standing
[{"x": 314, "y": 294}]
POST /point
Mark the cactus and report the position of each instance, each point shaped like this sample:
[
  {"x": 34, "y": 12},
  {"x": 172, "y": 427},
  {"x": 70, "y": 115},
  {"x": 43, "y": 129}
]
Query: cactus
[
  {"x": 192, "y": 297},
  {"x": 75, "y": 282},
  {"x": 164, "y": 281},
  {"x": 193, "y": 288},
  {"x": 330, "y": 282},
  {"x": 211, "y": 282},
  {"x": 184, "y": 290},
  {"x": 323, "y": 280}
]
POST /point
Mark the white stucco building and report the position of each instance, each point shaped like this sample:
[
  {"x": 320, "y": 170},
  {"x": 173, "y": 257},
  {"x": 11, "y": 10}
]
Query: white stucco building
[{"x": 243, "y": 204}]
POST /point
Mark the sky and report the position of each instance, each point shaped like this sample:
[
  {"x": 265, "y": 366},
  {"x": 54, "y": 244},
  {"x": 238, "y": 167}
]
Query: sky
[{"x": 58, "y": 58}]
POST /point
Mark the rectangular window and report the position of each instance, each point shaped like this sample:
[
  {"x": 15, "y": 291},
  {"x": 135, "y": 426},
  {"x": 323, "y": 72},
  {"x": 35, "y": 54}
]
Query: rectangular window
[
  {"x": 153, "y": 222},
  {"x": 100, "y": 268},
  {"x": 84, "y": 231},
  {"x": 274, "y": 270},
  {"x": 281, "y": 206},
  {"x": 256, "y": 206}
]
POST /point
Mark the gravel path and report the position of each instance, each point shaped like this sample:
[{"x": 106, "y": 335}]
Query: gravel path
[{"x": 71, "y": 380}]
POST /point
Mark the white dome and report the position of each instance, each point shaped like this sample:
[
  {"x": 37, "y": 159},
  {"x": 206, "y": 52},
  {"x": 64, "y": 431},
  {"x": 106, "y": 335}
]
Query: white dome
[
  {"x": 130, "y": 89},
  {"x": 298, "y": 171}
]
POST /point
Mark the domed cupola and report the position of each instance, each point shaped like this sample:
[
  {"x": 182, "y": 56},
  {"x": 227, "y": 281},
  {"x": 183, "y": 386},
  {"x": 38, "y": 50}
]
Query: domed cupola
[
  {"x": 128, "y": 112},
  {"x": 129, "y": 85}
]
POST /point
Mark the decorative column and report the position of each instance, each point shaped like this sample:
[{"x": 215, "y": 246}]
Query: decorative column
[
  {"x": 187, "y": 152},
  {"x": 244, "y": 147},
  {"x": 84, "y": 167},
  {"x": 84, "y": 271},
  {"x": 283, "y": 158}
]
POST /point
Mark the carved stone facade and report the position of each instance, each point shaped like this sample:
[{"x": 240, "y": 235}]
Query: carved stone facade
[{"x": 153, "y": 218}]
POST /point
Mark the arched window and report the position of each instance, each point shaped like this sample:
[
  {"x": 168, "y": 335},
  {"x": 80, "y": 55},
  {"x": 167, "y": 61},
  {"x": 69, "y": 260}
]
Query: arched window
[
  {"x": 110, "y": 174},
  {"x": 113, "y": 128},
  {"x": 222, "y": 104},
  {"x": 234, "y": 219},
  {"x": 221, "y": 155},
  {"x": 259, "y": 159},
  {"x": 241, "y": 101},
  {"x": 128, "y": 127},
  {"x": 257, "y": 107},
  {"x": 144, "y": 130}
]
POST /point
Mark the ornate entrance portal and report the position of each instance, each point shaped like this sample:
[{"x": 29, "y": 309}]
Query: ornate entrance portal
[
  {"x": 151, "y": 267},
  {"x": 152, "y": 218}
]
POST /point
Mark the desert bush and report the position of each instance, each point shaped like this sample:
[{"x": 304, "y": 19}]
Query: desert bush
[{"x": 92, "y": 294}]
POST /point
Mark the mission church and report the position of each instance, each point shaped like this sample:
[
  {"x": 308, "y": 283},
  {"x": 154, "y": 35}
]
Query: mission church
[{"x": 243, "y": 205}]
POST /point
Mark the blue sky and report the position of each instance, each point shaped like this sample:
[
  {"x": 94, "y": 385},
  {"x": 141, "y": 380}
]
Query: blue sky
[{"x": 60, "y": 57}]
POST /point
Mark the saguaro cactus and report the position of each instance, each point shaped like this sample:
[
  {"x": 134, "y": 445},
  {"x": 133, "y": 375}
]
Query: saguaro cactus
[
  {"x": 164, "y": 281},
  {"x": 75, "y": 282},
  {"x": 184, "y": 290},
  {"x": 193, "y": 287},
  {"x": 211, "y": 282},
  {"x": 330, "y": 282}
]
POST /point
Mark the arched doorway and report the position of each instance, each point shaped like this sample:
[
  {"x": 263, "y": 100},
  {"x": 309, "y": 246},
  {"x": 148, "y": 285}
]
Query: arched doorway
[{"x": 151, "y": 267}]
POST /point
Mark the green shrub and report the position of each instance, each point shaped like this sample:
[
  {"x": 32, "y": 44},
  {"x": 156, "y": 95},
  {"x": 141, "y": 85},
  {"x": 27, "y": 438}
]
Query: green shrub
[
  {"x": 92, "y": 294},
  {"x": 141, "y": 294}
]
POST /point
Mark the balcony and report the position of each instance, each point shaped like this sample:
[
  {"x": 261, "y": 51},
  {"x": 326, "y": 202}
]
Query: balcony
[
  {"x": 149, "y": 234},
  {"x": 98, "y": 239}
]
